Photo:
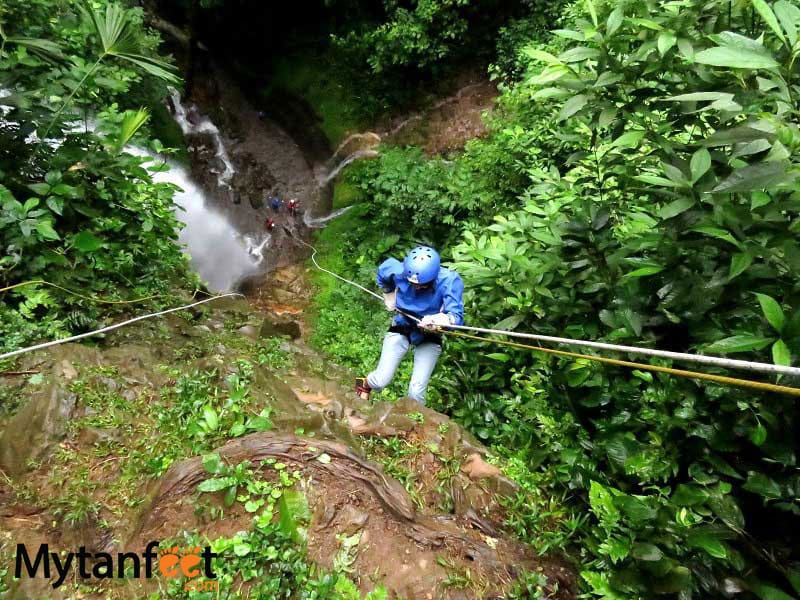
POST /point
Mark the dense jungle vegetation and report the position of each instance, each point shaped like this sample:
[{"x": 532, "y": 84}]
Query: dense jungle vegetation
[
  {"x": 638, "y": 185},
  {"x": 76, "y": 210}
]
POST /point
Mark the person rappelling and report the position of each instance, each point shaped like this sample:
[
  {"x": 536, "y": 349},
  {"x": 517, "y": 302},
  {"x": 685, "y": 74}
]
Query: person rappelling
[{"x": 422, "y": 288}]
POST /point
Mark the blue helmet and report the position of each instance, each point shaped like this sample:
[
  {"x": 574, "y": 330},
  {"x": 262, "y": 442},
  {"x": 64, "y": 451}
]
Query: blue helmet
[{"x": 421, "y": 266}]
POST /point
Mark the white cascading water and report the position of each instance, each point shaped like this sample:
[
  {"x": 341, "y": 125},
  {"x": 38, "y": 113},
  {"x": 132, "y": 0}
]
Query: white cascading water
[
  {"x": 204, "y": 125},
  {"x": 354, "y": 156},
  {"x": 368, "y": 136},
  {"x": 219, "y": 254},
  {"x": 320, "y": 221},
  {"x": 255, "y": 248}
]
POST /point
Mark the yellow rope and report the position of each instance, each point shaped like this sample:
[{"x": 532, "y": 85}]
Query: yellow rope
[
  {"x": 757, "y": 385},
  {"x": 95, "y": 299}
]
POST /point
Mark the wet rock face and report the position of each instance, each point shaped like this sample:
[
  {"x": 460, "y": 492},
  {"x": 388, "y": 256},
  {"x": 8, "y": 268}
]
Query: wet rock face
[
  {"x": 280, "y": 327},
  {"x": 253, "y": 183},
  {"x": 39, "y": 425},
  {"x": 32, "y": 433}
]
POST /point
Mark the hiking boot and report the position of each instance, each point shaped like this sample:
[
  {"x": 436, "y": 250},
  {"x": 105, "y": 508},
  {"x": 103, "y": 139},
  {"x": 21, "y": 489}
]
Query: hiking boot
[{"x": 362, "y": 388}]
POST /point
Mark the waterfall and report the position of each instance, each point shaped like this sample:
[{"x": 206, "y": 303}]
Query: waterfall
[
  {"x": 354, "y": 156},
  {"x": 217, "y": 252},
  {"x": 204, "y": 125},
  {"x": 320, "y": 221},
  {"x": 5, "y": 108},
  {"x": 373, "y": 138},
  {"x": 256, "y": 249}
]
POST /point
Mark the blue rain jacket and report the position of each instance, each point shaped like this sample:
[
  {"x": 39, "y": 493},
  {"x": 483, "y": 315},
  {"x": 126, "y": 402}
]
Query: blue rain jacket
[{"x": 445, "y": 295}]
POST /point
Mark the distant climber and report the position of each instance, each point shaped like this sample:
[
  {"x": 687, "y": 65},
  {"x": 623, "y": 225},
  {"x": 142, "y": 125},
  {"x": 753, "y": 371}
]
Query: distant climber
[
  {"x": 293, "y": 205},
  {"x": 269, "y": 224},
  {"x": 418, "y": 286},
  {"x": 275, "y": 202}
]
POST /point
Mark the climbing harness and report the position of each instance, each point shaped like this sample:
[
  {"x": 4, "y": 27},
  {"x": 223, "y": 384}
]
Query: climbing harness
[
  {"x": 112, "y": 327},
  {"x": 458, "y": 331}
]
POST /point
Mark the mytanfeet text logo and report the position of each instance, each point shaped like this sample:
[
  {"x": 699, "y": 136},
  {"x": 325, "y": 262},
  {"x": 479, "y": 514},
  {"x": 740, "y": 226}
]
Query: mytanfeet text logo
[{"x": 191, "y": 562}]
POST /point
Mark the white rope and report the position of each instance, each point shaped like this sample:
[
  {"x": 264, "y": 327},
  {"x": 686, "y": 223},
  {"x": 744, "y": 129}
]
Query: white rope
[
  {"x": 111, "y": 327},
  {"x": 704, "y": 359},
  {"x": 353, "y": 283}
]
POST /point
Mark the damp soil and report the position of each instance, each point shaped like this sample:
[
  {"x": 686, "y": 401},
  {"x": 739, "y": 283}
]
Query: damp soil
[{"x": 111, "y": 410}]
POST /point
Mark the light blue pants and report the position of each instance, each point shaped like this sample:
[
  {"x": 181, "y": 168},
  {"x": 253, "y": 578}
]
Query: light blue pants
[{"x": 395, "y": 346}]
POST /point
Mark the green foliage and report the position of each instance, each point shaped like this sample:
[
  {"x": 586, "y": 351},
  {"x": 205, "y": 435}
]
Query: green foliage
[
  {"x": 75, "y": 209},
  {"x": 422, "y": 34},
  {"x": 660, "y": 227},
  {"x": 639, "y": 187},
  {"x": 419, "y": 36},
  {"x": 510, "y": 63},
  {"x": 210, "y": 414},
  {"x": 270, "y": 560},
  {"x": 320, "y": 79}
]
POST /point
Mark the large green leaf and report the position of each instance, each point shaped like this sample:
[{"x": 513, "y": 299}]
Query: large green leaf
[
  {"x": 739, "y": 263},
  {"x": 781, "y": 355},
  {"x": 647, "y": 552},
  {"x": 736, "y": 135},
  {"x": 768, "y": 592},
  {"x": 761, "y": 484},
  {"x": 211, "y": 418},
  {"x": 666, "y": 40},
  {"x": 212, "y": 463},
  {"x": 645, "y": 271},
  {"x": 740, "y": 343},
  {"x": 572, "y": 106},
  {"x": 760, "y": 176},
  {"x": 45, "y": 49},
  {"x": 772, "y": 311},
  {"x": 705, "y": 541},
  {"x": 629, "y": 139},
  {"x": 293, "y": 508},
  {"x": 758, "y": 435},
  {"x": 42, "y": 189},
  {"x": 215, "y": 484},
  {"x": 769, "y": 17},
  {"x": 153, "y": 66},
  {"x": 689, "y": 495},
  {"x": 116, "y": 33},
  {"x": 614, "y": 20},
  {"x": 789, "y": 16},
  {"x": 46, "y": 231},
  {"x": 699, "y": 97},
  {"x": 718, "y": 233},
  {"x": 726, "y": 508},
  {"x": 578, "y": 54},
  {"x": 735, "y": 58},
  {"x": 590, "y": 7},
  {"x": 738, "y": 52},
  {"x": 673, "y": 209},
  {"x": 700, "y": 163},
  {"x": 132, "y": 121},
  {"x": 87, "y": 242}
]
